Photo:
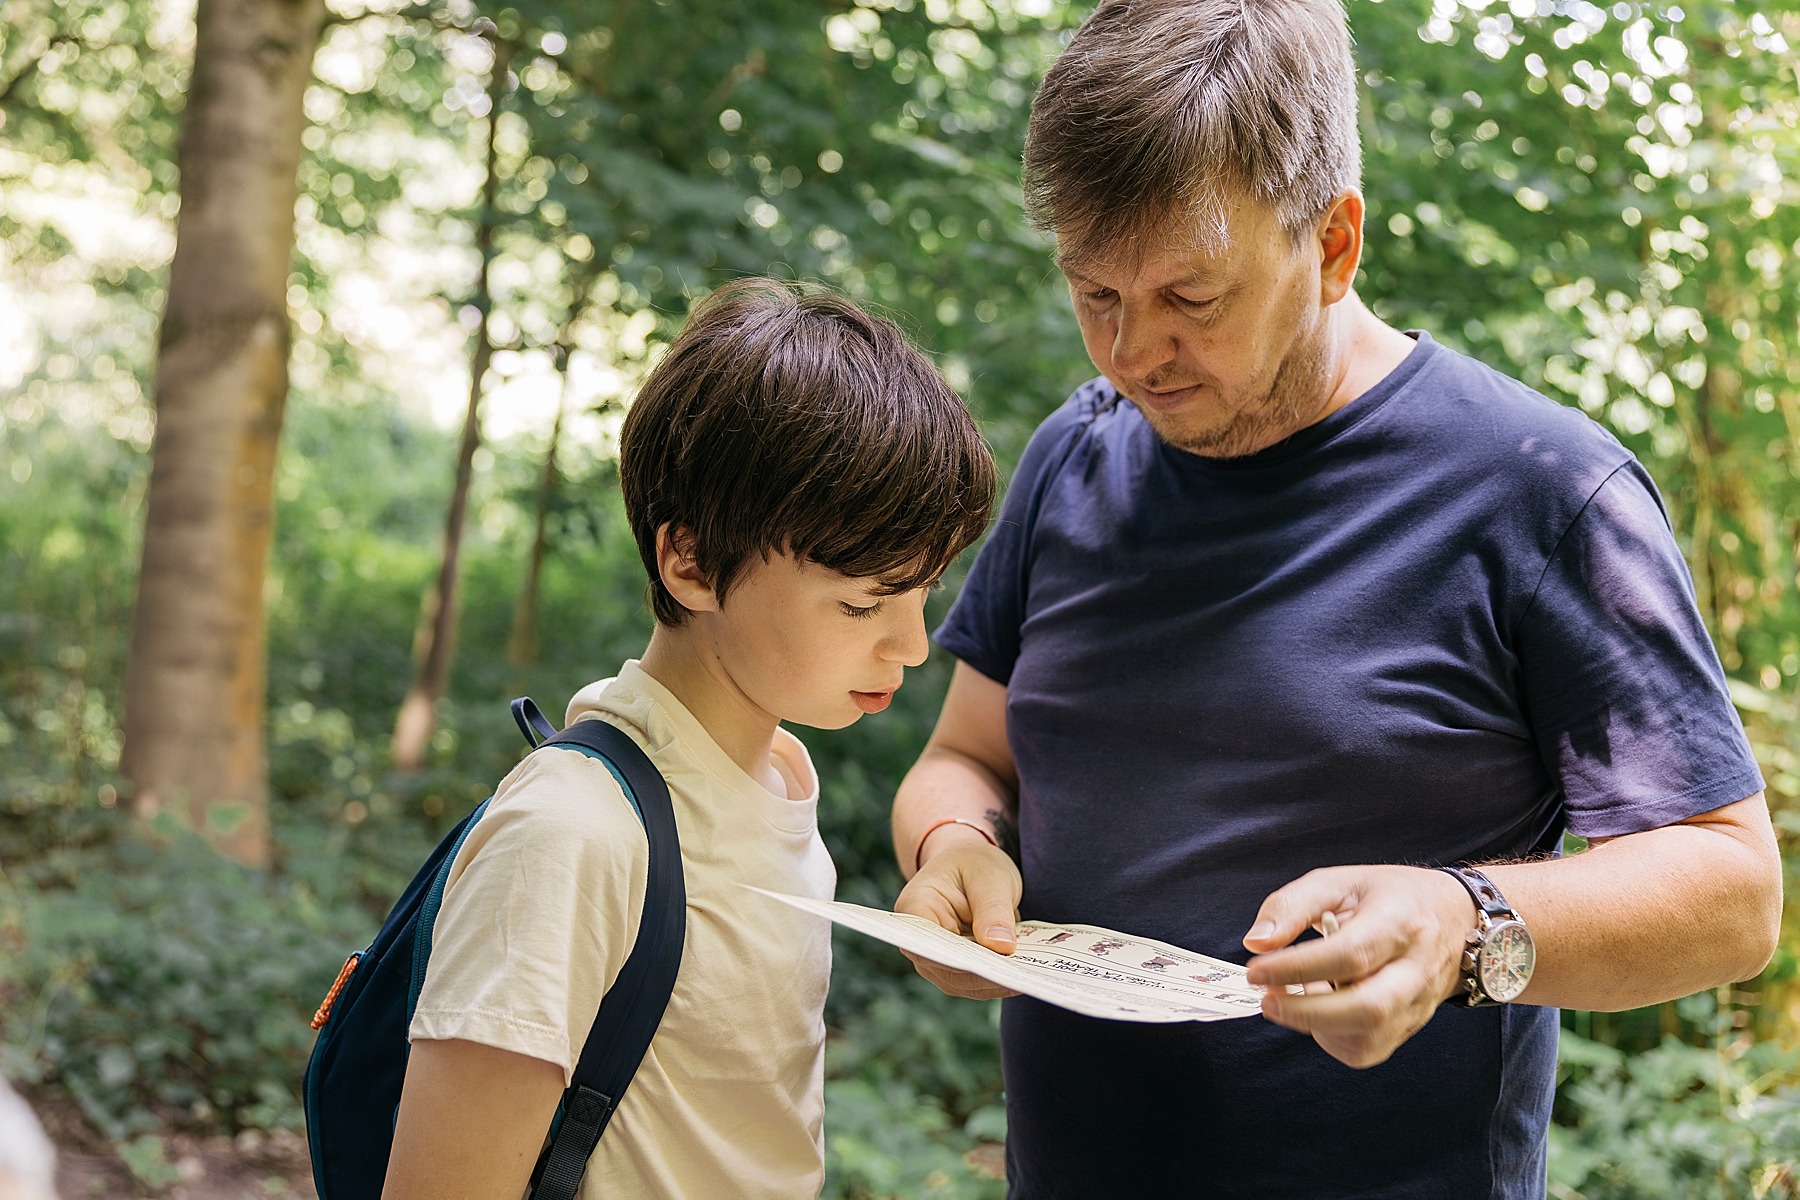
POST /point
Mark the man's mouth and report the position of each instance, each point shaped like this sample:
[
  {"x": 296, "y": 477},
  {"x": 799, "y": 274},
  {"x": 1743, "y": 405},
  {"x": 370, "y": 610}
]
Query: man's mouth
[{"x": 1167, "y": 398}]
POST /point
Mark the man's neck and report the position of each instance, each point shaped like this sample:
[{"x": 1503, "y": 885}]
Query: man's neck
[
  {"x": 1364, "y": 350},
  {"x": 681, "y": 660}
]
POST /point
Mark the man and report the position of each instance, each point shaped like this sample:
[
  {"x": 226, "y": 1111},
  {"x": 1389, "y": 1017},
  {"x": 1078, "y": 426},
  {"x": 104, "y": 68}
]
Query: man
[{"x": 1284, "y": 612}]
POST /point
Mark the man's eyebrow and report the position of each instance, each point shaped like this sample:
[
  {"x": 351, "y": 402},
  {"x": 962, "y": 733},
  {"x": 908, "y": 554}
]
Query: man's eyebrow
[
  {"x": 1195, "y": 276},
  {"x": 1070, "y": 270},
  {"x": 1199, "y": 277}
]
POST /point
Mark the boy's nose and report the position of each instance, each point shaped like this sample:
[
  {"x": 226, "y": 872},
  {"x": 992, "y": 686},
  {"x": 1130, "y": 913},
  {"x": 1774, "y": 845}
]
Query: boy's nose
[{"x": 909, "y": 644}]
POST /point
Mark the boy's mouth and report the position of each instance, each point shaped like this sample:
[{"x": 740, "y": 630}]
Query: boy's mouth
[{"x": 872, "y": 702}]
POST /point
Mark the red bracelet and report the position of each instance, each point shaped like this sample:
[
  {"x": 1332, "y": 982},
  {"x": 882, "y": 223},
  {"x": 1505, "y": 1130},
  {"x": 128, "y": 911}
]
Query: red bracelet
[{"x": 937, "y": 825}]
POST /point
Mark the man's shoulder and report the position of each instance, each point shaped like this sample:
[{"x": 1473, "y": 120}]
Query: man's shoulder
[
  {"x": 1463, "y": 411},
  {"x": 1095, "y": 405},
  {"x": 1085, "y": 405}
]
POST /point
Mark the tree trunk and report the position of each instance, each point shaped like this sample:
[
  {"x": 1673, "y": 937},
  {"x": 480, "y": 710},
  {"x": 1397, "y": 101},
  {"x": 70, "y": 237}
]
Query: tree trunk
[
  {"x": 195, "y": 676},
  {"x": 435, "y": 640},
  {"x": 522, "y": 646}
]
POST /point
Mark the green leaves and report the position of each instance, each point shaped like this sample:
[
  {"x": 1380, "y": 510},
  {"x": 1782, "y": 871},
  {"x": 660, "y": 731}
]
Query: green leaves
[
  {"x": 174, "y": 989},
  {"x": 1677, "y": 1120}
]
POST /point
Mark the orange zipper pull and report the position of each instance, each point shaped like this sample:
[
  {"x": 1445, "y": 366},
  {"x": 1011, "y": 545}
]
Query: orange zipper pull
[{"x": 324, "y": 1013}]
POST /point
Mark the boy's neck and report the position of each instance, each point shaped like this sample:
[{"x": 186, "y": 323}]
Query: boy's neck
[{"x": 679, "y": 660}]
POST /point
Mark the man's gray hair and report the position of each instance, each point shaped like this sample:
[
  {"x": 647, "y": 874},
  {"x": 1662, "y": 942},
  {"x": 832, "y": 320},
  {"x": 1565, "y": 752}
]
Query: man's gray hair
[{"x": 1165, "y": 111}]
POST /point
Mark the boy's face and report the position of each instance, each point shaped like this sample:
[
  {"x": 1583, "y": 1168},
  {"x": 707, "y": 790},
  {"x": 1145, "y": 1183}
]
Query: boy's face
[{"x": 808, "y": 645}]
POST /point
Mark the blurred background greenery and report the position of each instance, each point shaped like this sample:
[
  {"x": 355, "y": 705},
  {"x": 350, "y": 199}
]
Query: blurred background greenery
[{"x": 1601, "y": 200}]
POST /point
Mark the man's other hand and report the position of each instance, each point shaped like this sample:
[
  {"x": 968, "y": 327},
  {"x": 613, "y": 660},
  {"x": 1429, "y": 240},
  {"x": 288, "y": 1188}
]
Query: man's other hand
[
  {"x": 972, "y": 889},
  {"x": 1394, "y": 959}
]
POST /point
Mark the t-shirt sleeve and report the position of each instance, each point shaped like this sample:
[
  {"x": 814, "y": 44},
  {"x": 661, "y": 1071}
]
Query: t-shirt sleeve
[
  {"x": 983, "y": 626},
  {"x": 1621, "y": 684},
  {"x": 540, "y": 911}
]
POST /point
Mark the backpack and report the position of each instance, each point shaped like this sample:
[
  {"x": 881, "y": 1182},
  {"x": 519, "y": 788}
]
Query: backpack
[{"x": 353, "y": 1080}]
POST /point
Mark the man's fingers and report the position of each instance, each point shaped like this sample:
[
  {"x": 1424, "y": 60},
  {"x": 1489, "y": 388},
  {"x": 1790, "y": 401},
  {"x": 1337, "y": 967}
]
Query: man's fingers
[
  {"x": 1360, "y": 1025},
  {"x": 931, "y": 904},
  {"x": 958, "y": 983},
  {"x": 1380, "y": 998},
  {"x": 1393, "y": 958},
  {"x": 1290, "y": 911},
  {"x": 989, "y": 883},
  {"x": 1361, "y": 949},
  {"x": 971, "y": 892}
]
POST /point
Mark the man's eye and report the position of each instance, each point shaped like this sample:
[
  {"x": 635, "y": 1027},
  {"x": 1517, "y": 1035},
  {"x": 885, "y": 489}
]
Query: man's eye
[
  {"x": 1099, "y": 297},
  {"x": 851, "y": 610},
  {"x": 1193, "y": 301}
]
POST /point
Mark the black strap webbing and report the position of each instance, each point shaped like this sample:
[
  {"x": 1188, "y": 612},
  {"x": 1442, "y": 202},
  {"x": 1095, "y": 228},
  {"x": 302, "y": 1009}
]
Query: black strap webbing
[
  {"x": 633, "y": 1007},
  {"x": 532, "y": 722}
]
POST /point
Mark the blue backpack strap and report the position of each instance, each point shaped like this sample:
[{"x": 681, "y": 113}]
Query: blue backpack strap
[
  {"x": 633, "y": 1007},
  {"x": 532, "y": 722}
]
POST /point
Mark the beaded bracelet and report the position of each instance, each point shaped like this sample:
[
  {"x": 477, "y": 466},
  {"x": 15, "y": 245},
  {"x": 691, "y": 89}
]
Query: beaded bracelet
[{"x": 937, "y": 825}]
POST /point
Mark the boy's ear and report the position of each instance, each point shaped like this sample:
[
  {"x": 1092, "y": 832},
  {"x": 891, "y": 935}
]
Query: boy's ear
[{"x": 680, "y": 570}]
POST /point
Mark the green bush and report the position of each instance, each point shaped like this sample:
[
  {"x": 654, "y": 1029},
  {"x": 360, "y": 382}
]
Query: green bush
[
  {"x": 1677, "y": 1122},
  {"x": 169, "y": 986}
]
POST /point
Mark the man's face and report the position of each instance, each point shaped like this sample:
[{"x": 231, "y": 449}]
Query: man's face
[{"x": 1221, "y": 349}]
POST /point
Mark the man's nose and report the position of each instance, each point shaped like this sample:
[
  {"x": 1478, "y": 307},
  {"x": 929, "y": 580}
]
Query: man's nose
[{"x": 1140, "y": 344}]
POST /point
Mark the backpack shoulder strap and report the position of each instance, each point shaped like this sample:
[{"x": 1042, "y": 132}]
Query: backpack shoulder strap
[{"x": 633, "y": 1007}]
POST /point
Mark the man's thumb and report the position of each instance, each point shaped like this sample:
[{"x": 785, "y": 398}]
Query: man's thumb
[
  {"x": 1285, "y": 915},
  {"x": 995, "y": 925}
]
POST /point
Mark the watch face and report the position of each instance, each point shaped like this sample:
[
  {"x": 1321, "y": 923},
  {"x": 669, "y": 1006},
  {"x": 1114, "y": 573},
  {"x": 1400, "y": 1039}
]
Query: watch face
[{"x": 1506, "y": 959}]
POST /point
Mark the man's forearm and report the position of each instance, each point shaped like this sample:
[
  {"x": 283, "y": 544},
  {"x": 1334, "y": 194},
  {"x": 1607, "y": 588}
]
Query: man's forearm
[
  {"x": 948, "y": 785},
  {"x": 1652, "y": 916}
]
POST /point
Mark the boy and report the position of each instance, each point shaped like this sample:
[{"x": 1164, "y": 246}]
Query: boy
[{"x": 796, "y": 476}]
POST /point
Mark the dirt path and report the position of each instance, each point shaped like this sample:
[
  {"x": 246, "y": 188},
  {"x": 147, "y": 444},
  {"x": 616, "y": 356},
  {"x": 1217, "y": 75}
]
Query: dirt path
[
  {"x": 251, "y": 1166},
  {"x": 210, "y": 1169}
]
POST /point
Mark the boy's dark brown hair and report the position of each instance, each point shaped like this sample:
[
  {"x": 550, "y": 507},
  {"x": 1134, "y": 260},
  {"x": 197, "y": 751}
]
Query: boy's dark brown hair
[{"x": 787, "y": 420}]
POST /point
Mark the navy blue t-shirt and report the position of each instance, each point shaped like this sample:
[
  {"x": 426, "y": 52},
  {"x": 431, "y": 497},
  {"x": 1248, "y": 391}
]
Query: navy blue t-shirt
[{"x": 1443, "y": 624}]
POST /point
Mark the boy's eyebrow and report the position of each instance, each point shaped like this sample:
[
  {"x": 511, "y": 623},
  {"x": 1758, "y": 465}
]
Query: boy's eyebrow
[{"x": 875, "y": 586}]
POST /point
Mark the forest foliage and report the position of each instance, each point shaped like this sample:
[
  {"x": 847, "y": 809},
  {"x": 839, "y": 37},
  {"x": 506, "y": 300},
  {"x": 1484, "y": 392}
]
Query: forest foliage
[{"x": 1603, "y": 201}]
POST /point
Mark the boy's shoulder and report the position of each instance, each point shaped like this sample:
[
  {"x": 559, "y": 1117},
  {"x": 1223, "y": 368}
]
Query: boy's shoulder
[{"x": 562, "y": 796}]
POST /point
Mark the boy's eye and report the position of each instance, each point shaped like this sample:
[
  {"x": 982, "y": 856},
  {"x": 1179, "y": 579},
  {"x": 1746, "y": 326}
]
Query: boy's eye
[{"x": 851, "y": 610}]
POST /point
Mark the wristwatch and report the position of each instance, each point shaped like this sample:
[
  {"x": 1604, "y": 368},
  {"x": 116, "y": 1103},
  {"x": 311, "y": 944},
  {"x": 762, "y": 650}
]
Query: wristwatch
[{"x": 1498, "y": 954}]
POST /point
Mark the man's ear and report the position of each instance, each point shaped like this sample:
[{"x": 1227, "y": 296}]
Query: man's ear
[
  {"x": 680, "y": 569},
  {"x": 1340, "y": 247}
]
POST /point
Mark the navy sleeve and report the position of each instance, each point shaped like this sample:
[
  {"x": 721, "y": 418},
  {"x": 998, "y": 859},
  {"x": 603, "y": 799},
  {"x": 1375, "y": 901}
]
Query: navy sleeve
[
  {"x": 983, "y": 626},
  {"x": 1620, "y": 681}
]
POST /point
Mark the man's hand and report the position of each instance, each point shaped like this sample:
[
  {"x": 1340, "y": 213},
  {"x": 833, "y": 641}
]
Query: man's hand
[
  {"x": 969, "y": 888},
  {"x": 1394, "y": 959}
]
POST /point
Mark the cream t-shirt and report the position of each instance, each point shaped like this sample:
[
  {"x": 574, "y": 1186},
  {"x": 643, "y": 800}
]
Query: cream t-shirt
[{"x": 542, "y": 907}]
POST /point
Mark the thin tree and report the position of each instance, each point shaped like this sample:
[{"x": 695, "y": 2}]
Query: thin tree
[
  {"x": 434, "y": 643},
  {"x": 195, "y": 676},
  {"x": 522, "y": 646}
]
